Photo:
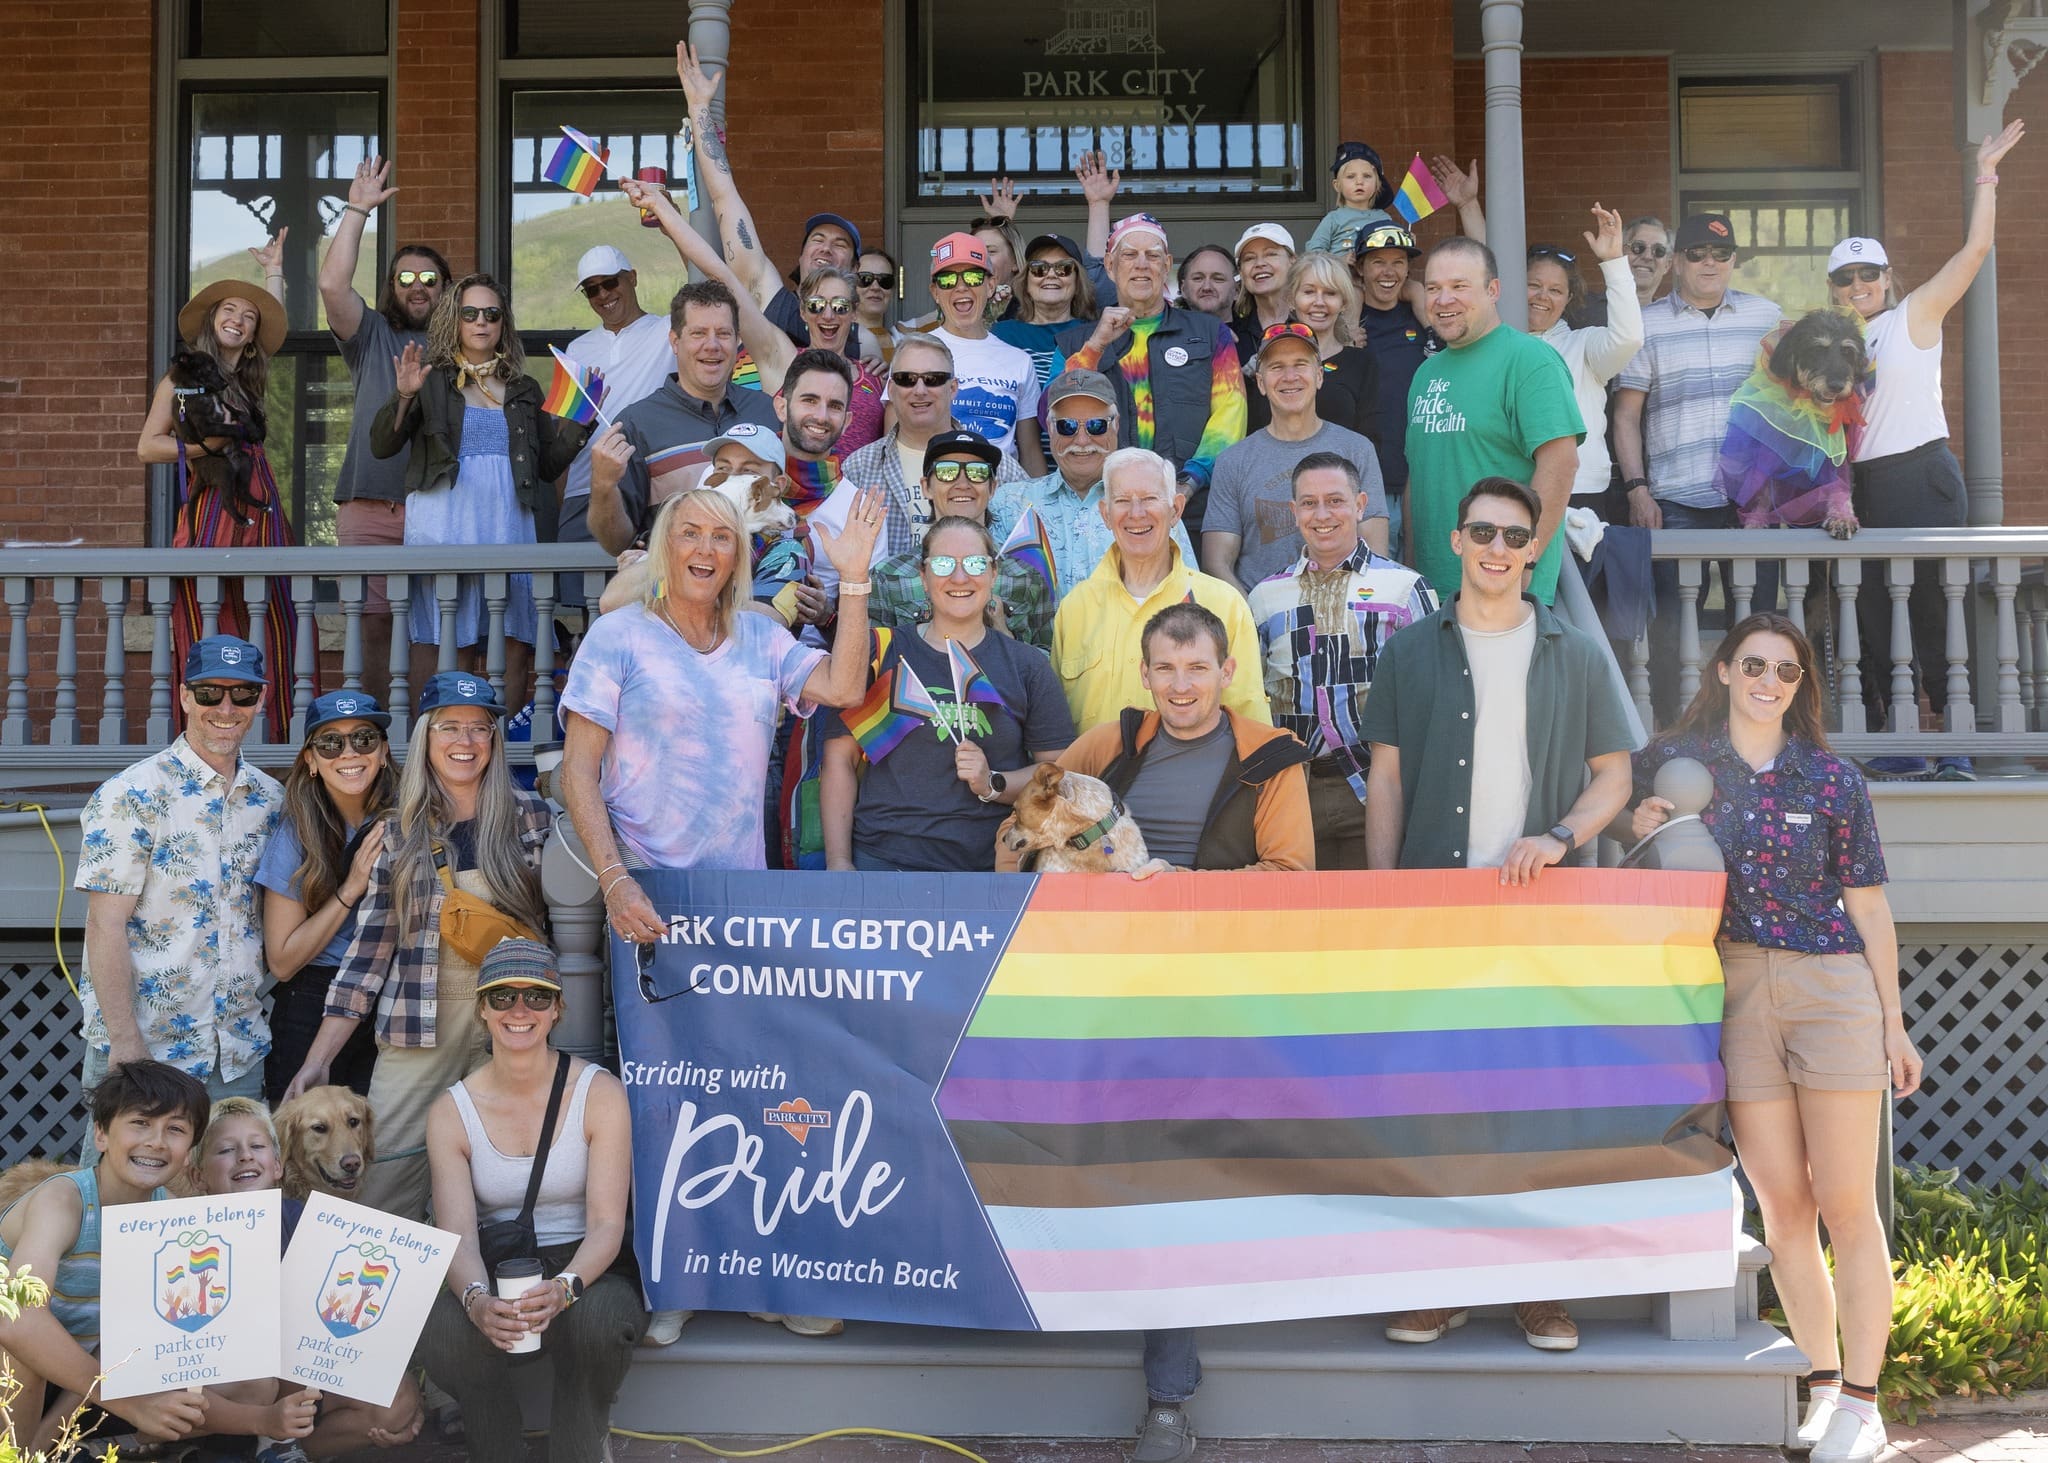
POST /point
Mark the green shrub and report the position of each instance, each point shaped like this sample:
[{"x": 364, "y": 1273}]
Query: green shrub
[{"x": 20, "y": 1291}]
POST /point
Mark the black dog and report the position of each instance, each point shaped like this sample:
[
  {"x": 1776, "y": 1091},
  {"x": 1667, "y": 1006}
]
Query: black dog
[
  {"x": 1792, "y": 424},
  {"x": 1822, "y": 354}
]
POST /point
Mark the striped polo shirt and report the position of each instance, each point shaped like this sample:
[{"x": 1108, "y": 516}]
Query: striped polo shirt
[{"x": 1690, "y": 364}]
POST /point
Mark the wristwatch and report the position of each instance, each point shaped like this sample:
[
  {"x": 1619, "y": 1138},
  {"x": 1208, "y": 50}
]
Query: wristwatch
[
  {"x": 1633, "y": 483},
  {"x": 572, "y": 1286},
  {"x": 1565, "y": 836},
  {"x": 997, "y": 786}
]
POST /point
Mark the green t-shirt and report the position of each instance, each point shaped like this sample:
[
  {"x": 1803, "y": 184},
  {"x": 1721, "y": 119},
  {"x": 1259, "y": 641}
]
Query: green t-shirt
[{"x": 1480, "y": 411}]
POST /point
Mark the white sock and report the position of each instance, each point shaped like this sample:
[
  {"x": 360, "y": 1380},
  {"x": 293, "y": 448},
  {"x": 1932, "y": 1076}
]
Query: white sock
[{"x": 1863, "y": 1408}]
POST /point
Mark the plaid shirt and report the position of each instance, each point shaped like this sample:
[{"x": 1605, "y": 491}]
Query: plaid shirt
[
  {"x": 394, "y": 977},
  {"x": 908, "y": 510},
  {"x": 1690, "y": 365},
  {"x": 899, "y": 599}
]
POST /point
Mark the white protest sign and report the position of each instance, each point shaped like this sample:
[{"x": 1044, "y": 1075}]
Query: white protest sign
[
  {"x": 188, "y": 1293},
  {"x": 358, "y": 1285}
]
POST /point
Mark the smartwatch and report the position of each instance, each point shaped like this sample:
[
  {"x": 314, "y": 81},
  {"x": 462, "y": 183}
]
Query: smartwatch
[
  {"x": 997, "y": 786},
  {"x": 572, "y": 1285},
  {"x": 1565, "y": 836}
]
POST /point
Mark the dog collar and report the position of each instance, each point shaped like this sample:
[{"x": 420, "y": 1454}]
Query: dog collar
[{"x": 1098, "y": 831}]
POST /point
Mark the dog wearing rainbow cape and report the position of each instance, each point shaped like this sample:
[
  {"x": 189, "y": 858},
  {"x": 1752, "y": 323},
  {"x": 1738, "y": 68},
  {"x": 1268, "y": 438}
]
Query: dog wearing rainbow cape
[{"x": 1793, "y": 425}]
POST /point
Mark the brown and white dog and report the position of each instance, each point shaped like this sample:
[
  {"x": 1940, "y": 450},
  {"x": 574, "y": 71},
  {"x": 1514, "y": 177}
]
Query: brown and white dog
[
  {"x": 326, "y": 1139},
  {"x": 1070, "y": 823},
  {"x": 759, "y": 501}
]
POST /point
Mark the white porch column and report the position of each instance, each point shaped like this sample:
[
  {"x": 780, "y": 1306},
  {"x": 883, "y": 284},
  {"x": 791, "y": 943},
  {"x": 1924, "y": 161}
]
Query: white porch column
[
  {"x": 711, "y": 38},
  {"x": 1500, "y": 26},
  {"x": 1985, "y": 78}
]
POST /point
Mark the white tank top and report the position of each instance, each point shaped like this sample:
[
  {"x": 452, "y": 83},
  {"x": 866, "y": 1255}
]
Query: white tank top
[
  {"x": 500, "y": 1180},
  {"x": 1903, "y": 410}
]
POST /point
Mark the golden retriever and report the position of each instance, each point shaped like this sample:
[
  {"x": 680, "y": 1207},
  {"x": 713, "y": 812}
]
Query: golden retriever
[{"x": 326, "y": 1139}]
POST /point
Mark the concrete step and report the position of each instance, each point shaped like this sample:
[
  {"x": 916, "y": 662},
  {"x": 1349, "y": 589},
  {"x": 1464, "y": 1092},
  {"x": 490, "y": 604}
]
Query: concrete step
[{"x": 1331, "y": 1378}]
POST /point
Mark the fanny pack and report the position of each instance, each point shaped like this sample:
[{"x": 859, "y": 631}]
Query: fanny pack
[{"x": 470, "y": 926}]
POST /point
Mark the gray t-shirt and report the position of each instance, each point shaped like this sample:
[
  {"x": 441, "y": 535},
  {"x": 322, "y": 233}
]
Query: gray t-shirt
[
  {"x": 1172, "y": 793},
  {"x": 1252, "y": 494},
  {"x": 368, "y": 353}
]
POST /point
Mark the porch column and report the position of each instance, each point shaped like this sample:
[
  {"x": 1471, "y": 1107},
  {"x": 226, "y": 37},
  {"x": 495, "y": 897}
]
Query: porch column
[
  {"x": 711, "y": 38},
  {"x": 1500, "y": 26},
  {"x": 1985, "y": 79}
]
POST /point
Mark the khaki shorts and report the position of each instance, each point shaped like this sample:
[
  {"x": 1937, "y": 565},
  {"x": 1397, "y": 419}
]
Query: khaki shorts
[
  {"x": 1796, "y": 1020},
  {"x": 374, "y": 522}
]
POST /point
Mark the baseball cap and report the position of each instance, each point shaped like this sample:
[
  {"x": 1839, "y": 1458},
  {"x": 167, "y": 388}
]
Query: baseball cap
[
  {"x": 1288, "y": 330},
  {"x": 837, "y": 221},
  {"x": 973, "y": 443},
  {"x": 518, "y": 962},
  {"x": 224, "y": 658},
  {"x": 1137, "y": 223},
  {"x": 1384, "y": 236},
  {"x": 1058, "y": 241},
  {"x": 956, "y": 251},
  {"x": 458, "y": 688},
  {"x": 1858, "y": 250},
  {"x": 345, "y": 706},
  {"x": 1351, "y": 152},
  {"x": 763, "y": 442},
  {"x": 1271, "y": 233},
  {"x": 1077, "y": 382},
  {"x": 1705, "y": 228},
  {"x": 601, "y": 259}
]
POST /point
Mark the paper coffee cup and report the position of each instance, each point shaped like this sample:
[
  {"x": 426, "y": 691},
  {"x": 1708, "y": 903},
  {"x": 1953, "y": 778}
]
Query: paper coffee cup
[{"x": 516, "y": 1277}]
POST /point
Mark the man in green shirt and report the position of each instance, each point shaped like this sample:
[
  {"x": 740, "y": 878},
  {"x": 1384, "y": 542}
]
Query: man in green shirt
[{"x": 1497, "y": 403}]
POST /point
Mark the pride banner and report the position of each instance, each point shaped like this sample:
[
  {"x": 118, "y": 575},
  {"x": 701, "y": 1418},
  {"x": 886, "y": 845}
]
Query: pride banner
[{"x": 1084, "y": 1103}]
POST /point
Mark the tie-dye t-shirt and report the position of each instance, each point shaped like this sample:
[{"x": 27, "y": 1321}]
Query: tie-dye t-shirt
[{"x": 685, "y": 776}]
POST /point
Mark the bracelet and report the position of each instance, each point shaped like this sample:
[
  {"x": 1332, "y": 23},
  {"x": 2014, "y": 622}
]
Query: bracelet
[
  {"x": 355, "y": 208},
  {"x": 344, "y": 903},
  {"x": 471, "y": 1291},
  {"x": 606, "y": 891},
  {"x": 856, "y": 590},
  {"x": 1987, "y": 177},
  {"x": 614, "y": 864}
]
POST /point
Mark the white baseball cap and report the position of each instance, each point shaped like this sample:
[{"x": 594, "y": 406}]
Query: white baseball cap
[
  {"x": 1858, "y": 250},
  {"x": 600, "y": 260},
  {"x": 1271, "y": 233}
]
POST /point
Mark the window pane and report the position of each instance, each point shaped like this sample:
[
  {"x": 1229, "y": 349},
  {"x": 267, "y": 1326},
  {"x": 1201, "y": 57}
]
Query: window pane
[
  {"x": 573, "y": 28},
  {"x": 230, "y": 28},
  {"x": 1762, "y": 127},
  {"x": 310, "y": 405},
  {"x": 262, "y": 161},
  {"x": 1174, "y": 93},
  {"x": 1784, "y": 242},
  {"x": 551, "y": 227}
]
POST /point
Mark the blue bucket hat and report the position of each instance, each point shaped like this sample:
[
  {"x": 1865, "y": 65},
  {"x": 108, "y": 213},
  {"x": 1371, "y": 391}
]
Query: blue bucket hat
[
  {"x": 458, "y": 688},
  {"x": 224, "y": 658},
  {"x": 345, "y": 706}
]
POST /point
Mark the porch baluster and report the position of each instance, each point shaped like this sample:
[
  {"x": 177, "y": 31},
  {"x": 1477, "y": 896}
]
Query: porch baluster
[
  {"x": 1639, "y": 679},
  {"x": 543, "y": 658},
  {"x": 161, "y": 591},
  {"x": 306, "y": 653},
  {"x": 20, "y": 592},
  {"x": 1797, "y": 577},
  {"x": 1905, "y": 709},
  {"x": 2012, "y": 713},
  {"x": 1742, "y": 576},
  {"x": 496, "y": 587},
  {"x": 399, "y": 588},
  {"x": 350, "y": 588},
  {"x": 447, "y": 592},
  {"x": 255, "y": 609},
  {"x": 114, "y": 691},
  {"x": 1959, "y": 712},
  {"x": 2038, "y": 598},
  {"x": 1690, "y": 572},
  {"x": 207, "y": 588},
  {"x": 64, "y": 716},
  {"x": 1849, "y": 575}
]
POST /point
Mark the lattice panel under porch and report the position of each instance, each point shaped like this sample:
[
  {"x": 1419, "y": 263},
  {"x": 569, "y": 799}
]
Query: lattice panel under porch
[{"x": 1979, "y": 1014}]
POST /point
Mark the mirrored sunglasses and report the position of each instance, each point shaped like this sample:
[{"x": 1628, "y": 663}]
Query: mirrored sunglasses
[
  {"x": 1093, "y": 426},
  {"x": 818, "y": 305},
  {"x": 947, "y": 472},
  {"x": 1051, "y": 268},
  {"x": 534, "y": 997},
  {"x": 1514, "y": 535},
  {"x": 327, "y": 746},
  {"x": 426, "y": 278},
  {"x": 943, "y": 565},
  {"x": 1700, "y": 253},
  {"x": 1754, "y": 666},
  {"x": 243, "y": 695},
  {"x": 973, "y": 277}
]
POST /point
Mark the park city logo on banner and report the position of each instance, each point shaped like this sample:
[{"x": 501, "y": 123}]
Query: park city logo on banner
[
  {"x": 358, "y": 1286},
  {"x": 194, "y": 1279}
]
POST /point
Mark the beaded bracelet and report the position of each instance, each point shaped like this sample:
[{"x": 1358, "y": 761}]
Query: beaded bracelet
[
  {"x": 864, "y": 587},
  {"x": 1987, "y": 177}
]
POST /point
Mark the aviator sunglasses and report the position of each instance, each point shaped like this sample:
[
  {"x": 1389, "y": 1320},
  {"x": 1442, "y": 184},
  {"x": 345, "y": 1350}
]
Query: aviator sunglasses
[
  {"x": 1700, "y": 253},
  {"x": 407, "y": 278},
  {"x": 947, "y": 472},
  {"x": 1514, "y": 535},
  {"x": 1789, "y": 671}
]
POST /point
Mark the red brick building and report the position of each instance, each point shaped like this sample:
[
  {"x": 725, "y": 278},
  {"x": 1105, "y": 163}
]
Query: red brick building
[{"x": 151, "y": 140}]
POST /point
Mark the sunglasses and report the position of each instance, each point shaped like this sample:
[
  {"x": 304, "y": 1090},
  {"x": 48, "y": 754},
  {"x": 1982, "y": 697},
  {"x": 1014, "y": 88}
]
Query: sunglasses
[
  {"x": 363, "y": 739},
  {"x": 818, "y": 305},
  {"x": 948, "y": 472},
  {"x": 1514, "y": 535},
  {"x": 974, "y": 277},
  {"x": 1701, "y": 253},
  {"x": 534, "y": 997},
  {"x": 489, "y": 314},
  {"x": 1546, "y": 251},
  {"x": 407, "y": 278},
  {"x": 1068, "y": 427},
  {"x": 243, "y": 695},
  {"x": 869, "y": 281},
  {"x": 930, "y": 379},
  {"x": 1655, "y": 251},
  {"x": 592, "y": 288},
  {"x": 1790, "y": 672},
  {"x": 1849, "y": 274},
  {"x": 1050, "y": 268},
  {"x": 943, "y": 565}
]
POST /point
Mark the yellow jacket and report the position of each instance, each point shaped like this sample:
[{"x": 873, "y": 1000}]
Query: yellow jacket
[{"x": 1095, "y": 640}]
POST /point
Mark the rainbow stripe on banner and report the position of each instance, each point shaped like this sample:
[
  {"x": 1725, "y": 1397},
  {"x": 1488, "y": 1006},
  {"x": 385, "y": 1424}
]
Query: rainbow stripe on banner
[
  {"x": 1419, "y": 196},
  {"x": 577, "y": 163},
  {"x": 1243, "y": 1097}
]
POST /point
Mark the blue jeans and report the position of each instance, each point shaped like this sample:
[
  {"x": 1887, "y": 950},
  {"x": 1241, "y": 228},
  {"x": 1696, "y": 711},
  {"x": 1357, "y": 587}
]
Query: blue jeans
[
  {"x": 1173, "y": 1368},
  {"x": 1664, "y": 626}
]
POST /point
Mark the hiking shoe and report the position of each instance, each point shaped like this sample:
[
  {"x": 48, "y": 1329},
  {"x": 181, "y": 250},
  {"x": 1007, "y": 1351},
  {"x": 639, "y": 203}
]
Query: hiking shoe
[
  {"x": 1955, "y": 769},
  {"x": 1421, "y": 1327},
  {"x": 286, "y": 1450},
  {"x": 663, "y": 1327},
  {"x": 1547, "y": 1326},
  {"x": 1820, "y": 1408},
  {"x": 1850, "y": 1438},
  {"x": 1897, "y": 769},
  {"x": 1166, "y": 1436},
  {"x": 802, "y": 1325}
]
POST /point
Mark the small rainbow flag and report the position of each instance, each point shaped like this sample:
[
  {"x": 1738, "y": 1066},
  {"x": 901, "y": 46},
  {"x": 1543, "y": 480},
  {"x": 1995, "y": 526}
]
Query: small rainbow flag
[
  {"x": 1031, "y": 546},
  {"x": 1419, "y": 196},
  {"x": 578, "y": 163},
  {"x": 374, "y": 1274},
  {"x": 206, "y": 1259},
  {"x": 970, "y": 681},
  {"x": 575, "y": 391},
  {"x": 881, "y": 721}
]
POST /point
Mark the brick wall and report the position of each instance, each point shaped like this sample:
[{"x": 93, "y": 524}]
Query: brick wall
[
  {"x": 435, "y": 127},
  {"x": 1393, "y": 58}
]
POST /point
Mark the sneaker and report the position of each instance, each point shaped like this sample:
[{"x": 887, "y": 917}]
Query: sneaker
[
  {"x": 1166, "y": 1436},
  {"x": 802, "y": 1325},
  {"x": 663, "y": 1327},
  {"x": 1955, "y": 769},
  {"x": 1547, "y": 1326},
  {"x": 1421, "y": 1327},
  {"x": 1849, "y": 1438},
  {"x": 286, "y": 1450},
  {"x": 1897, "y": 769},
  {"x": 1820, "y": 1408}
]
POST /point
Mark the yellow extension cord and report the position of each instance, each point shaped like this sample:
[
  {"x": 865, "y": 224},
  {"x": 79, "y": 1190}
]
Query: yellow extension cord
[{"x": 56, "y": 915}]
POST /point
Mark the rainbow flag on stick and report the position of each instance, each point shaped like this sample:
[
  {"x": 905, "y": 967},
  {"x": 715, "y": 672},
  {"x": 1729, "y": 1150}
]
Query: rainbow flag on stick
[
  {"x": 1031, "y": 546},
  {"x": 896, "y": 705},
  {"x": 578, "y": 164},
  {"x": 970, "y": 681},
  {"x": 576, "y": 392},
  {"x": 1419, "y": 196}
]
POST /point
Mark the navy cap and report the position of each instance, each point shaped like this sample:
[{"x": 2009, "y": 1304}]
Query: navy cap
[
  {"x": 838, "y": 221},
  {"x": 518, "y": 962},
  {"x": 1058, "y": 241},
  {"x": 955, "y": 443},
  {"x": 345, "y": 706},
  {"x": 458, "y": 688},
  {"x": 1705, "y": 228},
  {"x": 1351, "y": 152},
  {"x": 224, "y": 658}
]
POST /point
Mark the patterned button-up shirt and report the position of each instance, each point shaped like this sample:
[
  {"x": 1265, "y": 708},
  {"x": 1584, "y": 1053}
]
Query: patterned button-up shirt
[
  {"x": 1690, "y": 364},
  {"x": 394, "y": 974},
  {"x": 1794, "y": 837},
  {"x": 184, "y": 841},
  {"x": 1320, "y": 631},
  {"x": 1073, "y": 523},
  {"x": 899, "y": 599}
]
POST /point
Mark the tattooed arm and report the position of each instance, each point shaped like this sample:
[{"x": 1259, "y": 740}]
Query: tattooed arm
[{"x": 714, "y": 173}]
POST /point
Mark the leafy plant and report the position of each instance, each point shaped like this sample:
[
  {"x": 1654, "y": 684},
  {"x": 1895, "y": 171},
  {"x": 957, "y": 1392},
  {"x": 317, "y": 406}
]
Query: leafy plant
[{"x": 21, "y": 1290}]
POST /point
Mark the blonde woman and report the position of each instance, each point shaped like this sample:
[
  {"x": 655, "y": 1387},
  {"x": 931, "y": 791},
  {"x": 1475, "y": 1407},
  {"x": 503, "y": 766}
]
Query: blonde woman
[
  {"x": 456, "y": 807},
  {"x": 1322, "y": 295}
]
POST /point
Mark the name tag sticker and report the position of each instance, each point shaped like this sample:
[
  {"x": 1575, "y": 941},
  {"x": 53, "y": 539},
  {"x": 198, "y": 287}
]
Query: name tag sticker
[
  {"x": 1798, "y": 820},
  {"x": 1176, "y": 356}
]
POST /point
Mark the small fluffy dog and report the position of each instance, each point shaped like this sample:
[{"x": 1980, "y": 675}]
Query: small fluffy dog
[
  {"x": 1793, "y": 424},
  {"x": 759, "y": 501},
  {"x": 1069, "y": 823},
  {"x": 22, "y": 1179},
  {"x": 326, "y": 1140}
]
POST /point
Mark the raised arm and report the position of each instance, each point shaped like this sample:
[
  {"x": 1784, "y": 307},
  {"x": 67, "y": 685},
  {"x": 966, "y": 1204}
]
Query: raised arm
[
  {"x": 366, "y": 193},
  {"x": 735, "y": 225},
  {"x": 1462, "y": 188},
  {"x": 842, "y": 678},
  {"x": 1927, "y": 306},
  {"x": 1611, "y": 346},
  {"x": 766, "y": 342}
]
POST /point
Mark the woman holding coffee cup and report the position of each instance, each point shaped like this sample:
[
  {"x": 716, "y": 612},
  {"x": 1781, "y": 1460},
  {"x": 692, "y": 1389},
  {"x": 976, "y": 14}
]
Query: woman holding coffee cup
[{"x": 554, "y": 1233}]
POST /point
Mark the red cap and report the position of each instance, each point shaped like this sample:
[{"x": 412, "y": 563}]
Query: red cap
[{"x": 957, "y": 251}]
